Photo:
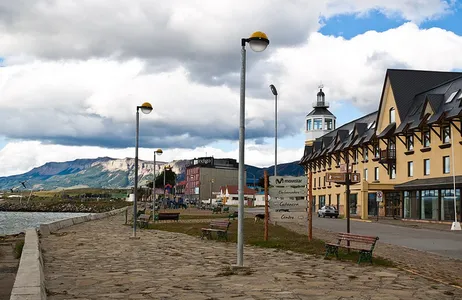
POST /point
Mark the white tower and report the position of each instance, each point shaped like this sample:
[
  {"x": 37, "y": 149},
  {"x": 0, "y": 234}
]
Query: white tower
[{"x": 320, "y": 120}]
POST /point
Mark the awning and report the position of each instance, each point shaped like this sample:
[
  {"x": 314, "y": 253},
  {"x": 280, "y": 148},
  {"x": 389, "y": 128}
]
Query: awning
[
  {"x": 388, "y": 131},
  {"x": 430, "y": 183}
]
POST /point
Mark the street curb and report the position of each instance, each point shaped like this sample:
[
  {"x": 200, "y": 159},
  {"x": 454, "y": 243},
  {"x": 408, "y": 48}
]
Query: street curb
[
  {"x": 430, "y": 278},
  {"x": 361, "y": 220}
]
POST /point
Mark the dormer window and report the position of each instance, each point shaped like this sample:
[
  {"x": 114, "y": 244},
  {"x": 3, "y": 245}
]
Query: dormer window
[
  {"x": 410, "y": 142},
  {"x": 426, "y": 138},
  {"x": 446, "y": 134},
  {"x": 366, "y": 154},
  {"x": 392, "y": 115}
]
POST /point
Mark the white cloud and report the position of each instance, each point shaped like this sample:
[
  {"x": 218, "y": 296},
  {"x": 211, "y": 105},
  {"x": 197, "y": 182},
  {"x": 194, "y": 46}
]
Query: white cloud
[{"x": 77, "y": 83}]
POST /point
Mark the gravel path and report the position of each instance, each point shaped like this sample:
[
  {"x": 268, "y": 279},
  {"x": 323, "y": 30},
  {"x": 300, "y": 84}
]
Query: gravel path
[{"x": 97, "y": 260}]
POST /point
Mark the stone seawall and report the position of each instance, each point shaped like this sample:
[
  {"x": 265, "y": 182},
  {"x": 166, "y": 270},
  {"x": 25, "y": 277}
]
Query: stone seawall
[{"x": 30, "y": 280}]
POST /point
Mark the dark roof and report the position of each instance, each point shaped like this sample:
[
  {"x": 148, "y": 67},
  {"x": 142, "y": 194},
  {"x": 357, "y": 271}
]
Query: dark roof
[
  {"x": 320, "y": 111},
  {"x": 430, "y": 183},
  {"x": 388, "y": 131},
  {"x": 408, "y": 83}
]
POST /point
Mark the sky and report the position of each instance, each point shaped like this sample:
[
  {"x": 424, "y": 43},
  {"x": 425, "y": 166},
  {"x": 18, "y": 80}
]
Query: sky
[{"x": 73, "y": 72}]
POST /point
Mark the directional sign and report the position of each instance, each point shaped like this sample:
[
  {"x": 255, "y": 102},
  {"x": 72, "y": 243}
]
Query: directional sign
[
  {"x": 335, "y": 177},
  {"x": 292, "y": 216},
  {"x": 355, "y": 177},
  {"x": 292, "y": 205},
  {"x": 288, "y": 180},
  {"x": 288, "y": 192}
]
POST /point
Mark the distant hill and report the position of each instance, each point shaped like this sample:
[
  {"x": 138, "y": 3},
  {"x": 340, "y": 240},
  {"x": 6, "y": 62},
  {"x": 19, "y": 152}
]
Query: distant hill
[{"x": 106, "y": 172}]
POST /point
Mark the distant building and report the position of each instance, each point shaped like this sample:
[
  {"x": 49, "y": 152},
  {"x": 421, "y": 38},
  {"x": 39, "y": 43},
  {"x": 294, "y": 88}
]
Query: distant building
[
  {"x": 180, "y": 188},
  {"x": 229, "y": 195},
  {"x": 205, "y": 176}
]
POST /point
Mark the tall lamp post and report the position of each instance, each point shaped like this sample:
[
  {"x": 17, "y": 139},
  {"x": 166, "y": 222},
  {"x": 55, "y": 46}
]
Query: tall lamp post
[
  {"x": 455, "y": 224},
  {"x": 258, "y": 42},
  {"x": 158, "y": 152},
  {"x": 275, "y": 93},
  {"x": 146, "y": 108}
]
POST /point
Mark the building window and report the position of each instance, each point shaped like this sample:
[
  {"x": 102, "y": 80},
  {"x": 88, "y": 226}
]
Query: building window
[
  {"x": 366, "y": 175},
  {"x": 324, "y": 180},
  {"x": 410, "y": 142},
  {"x": 317, "y": 124},
  {"x": 410, "y": 168},
  {"x": 319, "y": 181},
  {"x": 356, "y": 154},
  {"x": 446, "y": 134},
  {"x": 314, "y": 182},
  {"x": 322, "y": 201},
  {"x": 328, "y": 125},
  {"x": 429, "y": 204},
  {"x": 338, "y": 202},
  {"x": 366, "y": 154},
  {"x": 330, "y": 161},
  {"x": 376, "y": 173},
  {"x": 392, "y": 115},
  {"x": 337, "y": 158},
  {"x": 446, "y": 165},
  {"x": 392, "y": 171},
  {"x": 308, "y": 124},
  {"x": 426, "y": 166},
  {"x": 376, "y": 150},
  {"x": 447, "y": 204},
  {"x": 426, "y": 138}
]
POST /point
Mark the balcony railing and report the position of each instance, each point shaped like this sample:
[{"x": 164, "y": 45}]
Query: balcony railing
[{"x": 388, "y": 155}]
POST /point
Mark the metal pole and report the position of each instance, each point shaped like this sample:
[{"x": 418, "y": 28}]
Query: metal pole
[
  {"x": 164, "y": 187},
  {"x": 310, "y": 206},
  {"x": 265, "y": 174},
  {"x": 455, "y": 225},
  {"x": 241, "y": 185},
  {"x": 154, "y": 188},
  {"x": 347, "y": 161},
  {"x": 136, "y": 172},
  {"x": 275, "y": 134}
]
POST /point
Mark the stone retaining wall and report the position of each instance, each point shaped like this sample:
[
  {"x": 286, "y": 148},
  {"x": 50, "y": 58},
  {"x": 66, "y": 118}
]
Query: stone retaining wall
[{"x": 30, "y": 280}]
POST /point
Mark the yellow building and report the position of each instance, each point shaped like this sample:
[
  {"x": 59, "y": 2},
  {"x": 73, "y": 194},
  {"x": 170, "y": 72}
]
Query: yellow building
[{"x": 404, "y": 150}]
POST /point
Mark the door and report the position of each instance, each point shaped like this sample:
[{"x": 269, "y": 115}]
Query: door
[{"x": 392, "y": 204}]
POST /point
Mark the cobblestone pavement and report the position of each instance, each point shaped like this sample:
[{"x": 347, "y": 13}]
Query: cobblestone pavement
[
  {"x": 97, "y": 260},
  {"x": 427, "y": 264}
]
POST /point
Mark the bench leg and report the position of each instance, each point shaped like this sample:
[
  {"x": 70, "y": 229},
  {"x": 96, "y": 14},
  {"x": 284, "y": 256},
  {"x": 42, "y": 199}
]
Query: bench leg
[
  {"x": 331, "y": 250},
  {"x": 365, "y": 256}
]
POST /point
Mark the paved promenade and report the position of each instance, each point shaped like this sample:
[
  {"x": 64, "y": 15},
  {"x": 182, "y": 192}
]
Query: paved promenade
[{"x": 97, "y": 260}]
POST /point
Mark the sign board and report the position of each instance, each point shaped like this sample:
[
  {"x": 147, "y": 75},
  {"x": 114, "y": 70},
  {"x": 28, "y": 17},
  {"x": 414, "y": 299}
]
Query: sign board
[
  {"x": 355, "y": 177},
  {"x": 281, "y": 192},
  {"x": 335, "y": 177},
  {"x": 288, "y": 180},
  {"x": 379, "y": 196},
  {"x": 216, "y": 193},
  {"x": 292, "y": 216},
  {"x": 292, "y": 205},
  {"x": 343, "y": 168}
]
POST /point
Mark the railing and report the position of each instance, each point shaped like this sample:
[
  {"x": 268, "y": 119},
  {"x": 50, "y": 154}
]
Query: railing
[{"x": 388, "y": 155}]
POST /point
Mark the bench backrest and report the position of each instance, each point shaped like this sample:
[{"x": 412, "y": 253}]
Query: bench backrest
[
  {"x": 357, "y": 238},
  {"x": 144, "y": 217},
  {"x": 216, "y": 224},
  {"x": 169, "y": 214}
]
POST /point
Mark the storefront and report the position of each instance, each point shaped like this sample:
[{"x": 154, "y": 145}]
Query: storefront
[{"x": 431, "y": 199}]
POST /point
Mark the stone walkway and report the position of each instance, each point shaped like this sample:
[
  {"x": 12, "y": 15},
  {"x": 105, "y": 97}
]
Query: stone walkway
[
  {"x": 427, "y": 264},
  {"x": 97, "y": 260}
]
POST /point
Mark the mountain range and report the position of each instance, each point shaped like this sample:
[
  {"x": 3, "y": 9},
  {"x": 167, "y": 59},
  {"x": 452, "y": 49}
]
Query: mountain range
[{"x": 106, "y": 172}]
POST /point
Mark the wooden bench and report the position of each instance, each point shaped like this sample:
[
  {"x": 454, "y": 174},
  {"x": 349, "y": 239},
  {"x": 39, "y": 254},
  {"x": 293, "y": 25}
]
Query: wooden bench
[
  {"x": 216, "y": 210},
  {"x": 233, "y": 216},
  {"x": 168, "y": 216},
  {"x": 366, "y": 247},
  {"x": 220, "y": 227},
  {"x": 143, "y": 220}
]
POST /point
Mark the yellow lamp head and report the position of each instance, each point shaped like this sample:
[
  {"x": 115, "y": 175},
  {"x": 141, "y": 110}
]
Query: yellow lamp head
[
  {"x": 159, "y": 151},
  {"x": 146, "y": 108},
  {"x": 258, "y": 41}
]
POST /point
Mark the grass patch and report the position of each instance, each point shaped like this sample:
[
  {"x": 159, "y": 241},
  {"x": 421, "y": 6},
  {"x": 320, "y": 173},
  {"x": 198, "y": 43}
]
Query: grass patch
[
  {"x": 278, "y": 238},
  {"x": 18, "y": 246}
]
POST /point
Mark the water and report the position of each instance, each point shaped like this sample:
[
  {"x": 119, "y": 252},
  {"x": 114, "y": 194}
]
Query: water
[{"x": 16, "y": 222}]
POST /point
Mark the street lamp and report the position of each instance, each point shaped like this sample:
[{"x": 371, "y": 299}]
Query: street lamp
[
  {"x": 146, "y": 108},
  {"x": 158, "y": 152},
  {"x": 455, "y": 224},
  {"x": 258, "y": 42},
  {"x": 275, "y": 93}
]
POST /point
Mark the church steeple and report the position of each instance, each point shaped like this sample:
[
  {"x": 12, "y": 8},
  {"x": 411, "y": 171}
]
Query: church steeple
[{"x": 320, "y": 120}]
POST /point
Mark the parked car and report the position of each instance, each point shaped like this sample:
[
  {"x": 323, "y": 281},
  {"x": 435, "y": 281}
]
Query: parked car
[{"x": 328, "y": 211}]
